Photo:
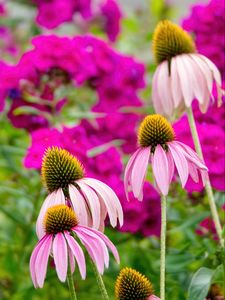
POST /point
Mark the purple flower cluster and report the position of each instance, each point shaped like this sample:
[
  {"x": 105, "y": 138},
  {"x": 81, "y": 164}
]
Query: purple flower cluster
[
  {"x": 55, "y": 61},
  {"x": 106, "y": 11},
  {"x": 207, "y": 22}
]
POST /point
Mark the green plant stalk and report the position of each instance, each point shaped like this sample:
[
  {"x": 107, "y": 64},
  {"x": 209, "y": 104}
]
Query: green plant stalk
[
  {"x": 71, "y": 284},
  {"x": 208, "y": 186},
  {"x": 163, "y": 248},
  {"x": 100, "y": 282}
]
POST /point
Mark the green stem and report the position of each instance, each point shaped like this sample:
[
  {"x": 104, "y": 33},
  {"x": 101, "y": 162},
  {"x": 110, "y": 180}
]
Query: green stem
[
  {"x": 71, "y": 284},
  {"x": 100, "y": 282},
  {"x": 208, "y": 186},
  {"x": 163, "y": 248}
]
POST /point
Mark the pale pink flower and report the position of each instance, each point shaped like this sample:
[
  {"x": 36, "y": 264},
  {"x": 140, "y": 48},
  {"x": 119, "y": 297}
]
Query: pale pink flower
[
  {"x": 92, "y": 199},
  {"x": 158, "y": 147},
  {"x": 182, "y": 74},
  {"x": 61, "y": 228}
]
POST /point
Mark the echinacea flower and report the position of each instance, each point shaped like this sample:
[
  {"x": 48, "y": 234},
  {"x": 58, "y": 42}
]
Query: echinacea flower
[
  {"x": 158, "y": 146},
  {"x": 63, "y": 176},
  {"x": 61, "y": 227},
  {"x": 132, "y": 285},
  {"x": 182, "y": 74}
]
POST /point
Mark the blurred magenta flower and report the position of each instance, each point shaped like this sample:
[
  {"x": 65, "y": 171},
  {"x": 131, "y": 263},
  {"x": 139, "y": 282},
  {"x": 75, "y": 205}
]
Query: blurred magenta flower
[
  {"x": 61, "y": 226},
  {"x": 212, "y": 138},
  {"x": 157, "y": 145},
  {"x": 182, "y": 75},
  {"x": 207, "y": 21},
  {"x": 58, "y": 62},
  {"x": 64, "y": 177}
]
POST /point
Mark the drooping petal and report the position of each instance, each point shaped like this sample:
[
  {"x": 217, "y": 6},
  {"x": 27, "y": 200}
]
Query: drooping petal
[
  {"x": 164, "y": 88},
  {"x": 98, "y": 241},
  {"x": 139, "y": 172},
  {"x": 109, "y": 244},
  {"x": 161, "y": 169},
  {"x": 92, "y": 248},
  {"x": 60, "y": 256},
  {"x": 78, "y": 254},
  {"x": 33, "y": 260},
  {"x": 71, "y": 260},
  {"x": 93, "y": 202},
  {"x": 185, "y": 80},
  {"x": 41, "y": 261},
  {"x": 193, "y": 171},
  {"x": 153, "y": 297},
  {"x": 54, "y": 198},
  {"x": 157, "y": 102},
  {"x": 180, "y": 162},
  {"x": 109, "y": 198},
  {"x": 170, "y": 165},
  {"x": 79, "y": 205},
  {"x": 175, "y": 84},
  {"x": 128, "y": 171}
]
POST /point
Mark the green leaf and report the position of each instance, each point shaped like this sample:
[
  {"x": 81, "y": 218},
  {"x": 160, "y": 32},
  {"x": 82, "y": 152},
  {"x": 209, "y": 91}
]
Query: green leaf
[{"x": 200, "y": 284}]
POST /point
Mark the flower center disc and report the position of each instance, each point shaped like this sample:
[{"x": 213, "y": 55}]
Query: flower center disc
[
  {"x": 170, "y": 40},
  {"x": 132, "y": 285},
  {"x": 59, "y": 218},
  {"x": 60, "y": 168},
  {"x": 155, "y": 130}
]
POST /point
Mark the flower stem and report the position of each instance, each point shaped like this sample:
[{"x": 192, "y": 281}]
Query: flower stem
[
  {"x": 163, "y": 248},
  {"x": 100, "y": 282},
  {"x": 208, "y": 186},
  {"x": 71, "y": 284}
]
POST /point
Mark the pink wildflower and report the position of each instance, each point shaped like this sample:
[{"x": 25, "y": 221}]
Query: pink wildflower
[
  {"x": 157, "y": 144},
  {"x": 61, "y": 226},
  {"x": 63, "y": 176},
  {"x": 182, "y": 75}
]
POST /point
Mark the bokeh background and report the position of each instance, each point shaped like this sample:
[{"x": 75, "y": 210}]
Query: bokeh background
[{"x": 77, "y": 74}]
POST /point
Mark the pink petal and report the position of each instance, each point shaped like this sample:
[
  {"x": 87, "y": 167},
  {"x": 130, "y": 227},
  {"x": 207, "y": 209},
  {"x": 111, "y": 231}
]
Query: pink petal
[
  {"x": 92, "y": 248},
  {"x": 109, "y": 198},
  {"x": 79, "y": 205},
  {"x": 71, "y": 260},
  {"x": 170, "y": 165},
  {"x": 33, "y": 259},
  {"x": 139, "y": 172},
  {"x": 153, "y": 297},
  {"x": 175, "y": 84},
  {"x": 128, "y": 171},
  {"x": 109, "y": 244},
  {"x": 180, "y": 162},
  {"x": 54, "y": 198},
  {"x": 41, "y": 261},
  {"x": 193, "y": 171},
  {"x": 185, "y": 80},
  {"x": 60, "y": 256},
  {"x": 157, "y": 103},
  {"x": 164, "y": 88},
  {"x": 99, "y": 242},
  {"x": 78, "y": 254},
  {"x": 93, "y": 202},
  {"x": 161, "y": 169}
]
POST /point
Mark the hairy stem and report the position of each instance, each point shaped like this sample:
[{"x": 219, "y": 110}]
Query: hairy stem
[
  {"x": 100, "y": 282},
  {"x": 208, "y": 186},
  {"x": 163, "y": 248},
  {"x": 71, "y": 284}
]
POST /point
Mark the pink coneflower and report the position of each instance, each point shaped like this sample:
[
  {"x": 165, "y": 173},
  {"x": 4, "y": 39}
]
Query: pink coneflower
[
  {"x": 156, "y": 138},
  {"x": 61, "y": 227},
  {"x": 63, "y": 176},
  {"x": 182, "y": 74},
  {"x": 131, "y": 284}
]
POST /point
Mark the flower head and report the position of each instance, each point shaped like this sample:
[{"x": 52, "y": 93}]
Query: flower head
[
  {"x": 170, "y": 40},
  {"x": 182, "y": 75},
  {"x": 157, "y": 145},
  {"x": 63, "y": 176},
  {"x": 132, "y": 285},
  {"x": 61, "y": 227}
]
